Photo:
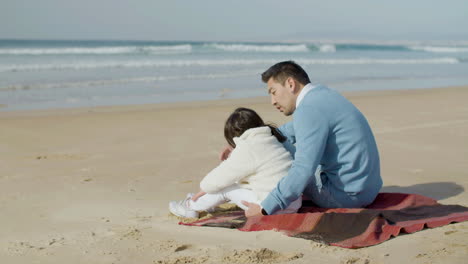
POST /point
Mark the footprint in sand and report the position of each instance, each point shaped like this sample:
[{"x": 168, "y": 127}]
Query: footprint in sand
[
  {"x": 356, "y": 260},
  {"x": 132, "y": 233},
  {"x": 173, "y": 246},
  {"x": 61, "y": 157},
  {"x": 142, "y": 219},
  {"x": 263, "y": 255},
  {"x": 184, "y": 259},
  {"x": 24, "y": 246},
  {"x": 450, "y": 232}
]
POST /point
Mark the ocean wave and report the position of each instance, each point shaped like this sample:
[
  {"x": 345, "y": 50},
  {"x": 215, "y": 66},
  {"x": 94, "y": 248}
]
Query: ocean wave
[
  {"x": 439, "y": 49},
  {"x": 186, "y": 48},
  {"x": 127, "y": 64},
  {"x": 32, "y": 48},
  {"x": 260, "y": 48},
  {"x": 169, "y": 49},
  {"x": 327, "y": 48},
  {"x": 188, "y": 63},
  {"x": 380, "y": 61}
]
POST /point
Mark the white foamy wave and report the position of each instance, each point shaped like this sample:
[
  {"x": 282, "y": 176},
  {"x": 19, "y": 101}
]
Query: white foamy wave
[
  {"x": 64, "y": 51},
  {"x": 439, "y": 49},
  {"x": 171, "y": 49},
  {"x": 260, "y": 48},
  {"x": 188, "y": 63},
  {"x": 327, "y": 48},
  {"x": 128, "y": 64},
  {"x": 380, "y": 61}
]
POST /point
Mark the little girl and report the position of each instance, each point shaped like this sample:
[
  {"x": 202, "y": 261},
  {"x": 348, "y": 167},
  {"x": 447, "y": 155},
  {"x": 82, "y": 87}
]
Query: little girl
[{"x": 256, "y": 164}]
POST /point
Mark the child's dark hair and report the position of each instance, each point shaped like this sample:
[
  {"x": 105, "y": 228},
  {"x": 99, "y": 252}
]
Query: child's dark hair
[{"x": 243, "y": 119}]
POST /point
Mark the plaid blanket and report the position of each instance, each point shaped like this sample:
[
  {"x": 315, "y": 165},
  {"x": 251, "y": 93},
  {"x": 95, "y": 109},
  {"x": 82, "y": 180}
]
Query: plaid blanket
[{"x": 388, "y": 216}]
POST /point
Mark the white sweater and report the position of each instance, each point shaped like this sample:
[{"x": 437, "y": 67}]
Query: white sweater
[{"x": 257, "y": 163}]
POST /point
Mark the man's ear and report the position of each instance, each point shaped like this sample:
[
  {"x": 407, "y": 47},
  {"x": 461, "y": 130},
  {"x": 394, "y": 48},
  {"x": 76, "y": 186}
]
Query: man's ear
[{"x": 291, "y": 85}]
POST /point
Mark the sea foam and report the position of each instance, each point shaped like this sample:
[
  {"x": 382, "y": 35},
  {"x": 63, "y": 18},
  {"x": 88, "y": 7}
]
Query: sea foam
[
  {"x": 87, "y": 65},
  {"x": 260, "y": 48},
  {"x": 439, "y": 49},
  {"x": 327, "y": 48},
  {"x": 169, "y": 49}
]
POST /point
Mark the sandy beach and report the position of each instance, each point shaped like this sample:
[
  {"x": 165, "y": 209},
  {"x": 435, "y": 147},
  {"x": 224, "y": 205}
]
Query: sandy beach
[{"x": 92, "y": 185}]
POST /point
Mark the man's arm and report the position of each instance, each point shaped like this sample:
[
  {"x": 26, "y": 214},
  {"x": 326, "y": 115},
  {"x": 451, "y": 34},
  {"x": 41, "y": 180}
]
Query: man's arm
[
  {"x": 311, "y": 130},
  {"x": 287, "y": 130}
]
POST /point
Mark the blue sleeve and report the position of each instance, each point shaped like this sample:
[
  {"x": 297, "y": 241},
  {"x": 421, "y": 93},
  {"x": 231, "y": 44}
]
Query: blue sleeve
[
  {"x": 311, "y": 133},
  {"x": 287, "y": 130}
]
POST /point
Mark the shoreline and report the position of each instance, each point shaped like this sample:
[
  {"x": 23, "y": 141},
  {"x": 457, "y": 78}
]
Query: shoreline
[{"x": 211, "y": 102}]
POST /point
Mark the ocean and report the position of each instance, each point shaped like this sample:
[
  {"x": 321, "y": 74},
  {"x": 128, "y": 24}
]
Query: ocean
[{"x": 46, "y": 74}]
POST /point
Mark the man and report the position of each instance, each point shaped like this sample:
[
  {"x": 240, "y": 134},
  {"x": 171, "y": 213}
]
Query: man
[{"x": 336, "y": 161}]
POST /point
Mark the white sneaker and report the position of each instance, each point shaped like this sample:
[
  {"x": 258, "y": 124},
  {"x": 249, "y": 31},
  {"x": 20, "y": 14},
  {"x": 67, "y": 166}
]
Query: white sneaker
[
  {"x": 209, "y": 210},
  {"x": 182, "y": 208}
]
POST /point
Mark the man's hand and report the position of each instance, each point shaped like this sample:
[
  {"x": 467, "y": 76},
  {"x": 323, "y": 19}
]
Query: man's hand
[
  {"x": 198, "y": 195},
  {"x": 253, "y": 209},
  {"x": 225, "y": 153}
]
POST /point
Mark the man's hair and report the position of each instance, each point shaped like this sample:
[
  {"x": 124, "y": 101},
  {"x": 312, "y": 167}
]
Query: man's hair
[
  {"x": 285, "y": 69},
  {"x": 243, "y": 119}
]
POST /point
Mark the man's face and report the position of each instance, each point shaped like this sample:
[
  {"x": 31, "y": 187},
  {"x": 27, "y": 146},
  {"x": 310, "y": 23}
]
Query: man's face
[{"x": 282, "y": 96}]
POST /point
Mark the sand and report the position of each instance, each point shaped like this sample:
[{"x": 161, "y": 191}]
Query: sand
[{"x": 92, "y": 185}]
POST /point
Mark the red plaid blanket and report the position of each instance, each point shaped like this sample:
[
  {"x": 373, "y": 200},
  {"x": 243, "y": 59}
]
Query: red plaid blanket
[{"x": 389, "y": 215}]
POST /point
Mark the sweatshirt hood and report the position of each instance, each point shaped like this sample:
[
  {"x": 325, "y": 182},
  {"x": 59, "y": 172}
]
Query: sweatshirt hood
[{"x": 254, "y": 132}]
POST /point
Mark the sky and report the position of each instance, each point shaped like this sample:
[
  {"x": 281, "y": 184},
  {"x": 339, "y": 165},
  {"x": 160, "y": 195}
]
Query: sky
[{"x": 241, "y": 20}]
